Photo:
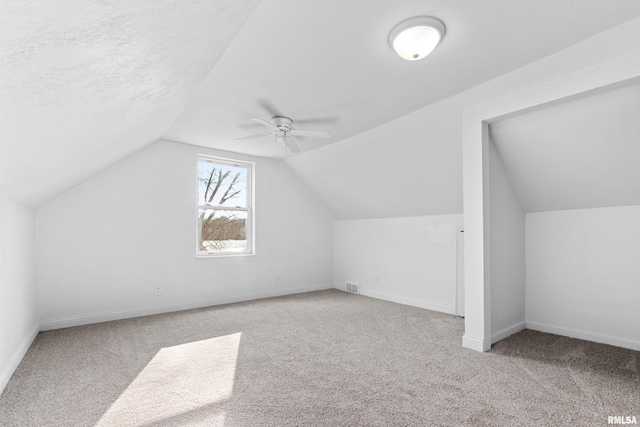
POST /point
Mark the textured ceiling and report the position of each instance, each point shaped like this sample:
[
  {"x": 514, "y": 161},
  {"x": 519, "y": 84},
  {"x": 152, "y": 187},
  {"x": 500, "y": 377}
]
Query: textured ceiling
[
  {"x": 85, "y": 83},
  {"x": 581, "y": 153}
]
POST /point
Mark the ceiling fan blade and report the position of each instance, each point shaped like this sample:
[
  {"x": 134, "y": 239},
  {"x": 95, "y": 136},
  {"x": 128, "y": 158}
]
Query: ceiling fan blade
[
  {"x": 315, "y": 133},
  {"x": 291, "y": 144},
  {"x": 252, "y": 136},
  {"x": 266, "y": 123}
]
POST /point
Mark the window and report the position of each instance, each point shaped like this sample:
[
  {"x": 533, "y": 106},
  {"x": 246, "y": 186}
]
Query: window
[{"x": 225, "y": 215}]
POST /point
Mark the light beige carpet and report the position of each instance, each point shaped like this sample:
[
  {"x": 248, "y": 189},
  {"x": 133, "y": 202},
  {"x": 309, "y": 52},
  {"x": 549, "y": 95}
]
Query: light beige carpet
[{"x": 318, "y": 359}]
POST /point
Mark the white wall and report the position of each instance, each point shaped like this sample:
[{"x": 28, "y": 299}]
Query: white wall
[
  {"x": 414, "y": 259},
  {"x": 506, "y": 253},
  {"x": 18, "y": 310},
  {"x": 583, "y": 274},
  {"x": 105, "y": 245}
]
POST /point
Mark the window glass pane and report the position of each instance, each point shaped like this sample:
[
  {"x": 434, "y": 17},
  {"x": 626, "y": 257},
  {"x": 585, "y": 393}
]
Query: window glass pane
[
  {"x": 222, "y": 231},
  {"x": 222, "y": 184}
]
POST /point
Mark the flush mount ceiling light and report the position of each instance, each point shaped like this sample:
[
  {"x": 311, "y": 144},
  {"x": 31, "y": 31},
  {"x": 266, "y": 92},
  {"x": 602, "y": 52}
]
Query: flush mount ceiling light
[{"x": 416, "y": 38}]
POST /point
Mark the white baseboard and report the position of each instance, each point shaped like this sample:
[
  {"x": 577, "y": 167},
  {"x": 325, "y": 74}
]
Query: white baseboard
[
  {"x": 16, "y": 357},
  {"x": 406, "y": 301},
  {"x": 66, "y": 322},
  {"x": 476, "y": 344},
  {"x": 584, "y": 335},
  {"x": 508, "y": 331}
]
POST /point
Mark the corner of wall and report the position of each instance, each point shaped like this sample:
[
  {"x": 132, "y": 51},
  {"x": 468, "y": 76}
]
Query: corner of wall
[
  {"x": 16, "y": 357},
  {"x": 18, "y": 304},
  {"x": 507, "y": 332}
]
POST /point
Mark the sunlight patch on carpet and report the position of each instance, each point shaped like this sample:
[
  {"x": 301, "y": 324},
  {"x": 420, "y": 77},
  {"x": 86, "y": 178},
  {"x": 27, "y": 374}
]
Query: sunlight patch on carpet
[{"x": 178, "y": 380}]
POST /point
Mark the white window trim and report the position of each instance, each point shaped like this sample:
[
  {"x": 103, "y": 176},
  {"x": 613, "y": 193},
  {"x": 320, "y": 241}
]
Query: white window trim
[{"x": 250, "y": 209}]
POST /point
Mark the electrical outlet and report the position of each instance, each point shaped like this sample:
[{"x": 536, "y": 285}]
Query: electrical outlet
[
  {"x": 276, "y": 280},
  {"x": 157, "y": 291},
  {"x": 376, "y": 278}
]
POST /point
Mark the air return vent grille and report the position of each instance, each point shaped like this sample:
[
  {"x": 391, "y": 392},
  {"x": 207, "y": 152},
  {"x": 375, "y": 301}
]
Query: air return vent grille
[{"x": 352, "y": 287}]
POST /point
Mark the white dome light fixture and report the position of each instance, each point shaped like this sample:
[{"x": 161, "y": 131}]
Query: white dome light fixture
[{"x": 415, "y": 38}]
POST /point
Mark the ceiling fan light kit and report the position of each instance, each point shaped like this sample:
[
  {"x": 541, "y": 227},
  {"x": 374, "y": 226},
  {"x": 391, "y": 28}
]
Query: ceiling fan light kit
[{"x": 415, "y": 38}]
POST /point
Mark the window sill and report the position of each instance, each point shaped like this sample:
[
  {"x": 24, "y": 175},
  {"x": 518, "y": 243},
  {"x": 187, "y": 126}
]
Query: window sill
[{"x": 204, "y": 255}]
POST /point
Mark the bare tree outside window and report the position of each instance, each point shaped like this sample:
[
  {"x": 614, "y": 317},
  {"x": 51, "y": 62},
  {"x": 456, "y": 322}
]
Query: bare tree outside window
[{"x": 223, "y": 206}]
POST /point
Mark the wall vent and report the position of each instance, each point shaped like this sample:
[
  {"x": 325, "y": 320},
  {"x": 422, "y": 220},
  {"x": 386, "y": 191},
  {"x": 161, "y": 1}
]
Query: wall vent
[{"x": 352, "y": 287}]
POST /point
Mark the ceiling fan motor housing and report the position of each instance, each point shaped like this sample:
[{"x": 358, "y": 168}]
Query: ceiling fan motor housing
[
  {"x": 282, "y": 122},
  {"x": 280, "y": 127}
]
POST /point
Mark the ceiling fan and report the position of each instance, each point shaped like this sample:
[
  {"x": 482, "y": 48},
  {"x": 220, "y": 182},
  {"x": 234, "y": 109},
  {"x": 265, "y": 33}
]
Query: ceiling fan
[{"x": 280, "y": 128}]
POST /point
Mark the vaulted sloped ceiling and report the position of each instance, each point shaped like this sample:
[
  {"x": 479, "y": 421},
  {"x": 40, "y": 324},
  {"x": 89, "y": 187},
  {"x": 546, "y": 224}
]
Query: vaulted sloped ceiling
[
  {"x": 410, "y": 166},
  {"x": 327, "y": 64},
  {"x": 579, "y": 153},
  {"x": 85, "y": 83}
]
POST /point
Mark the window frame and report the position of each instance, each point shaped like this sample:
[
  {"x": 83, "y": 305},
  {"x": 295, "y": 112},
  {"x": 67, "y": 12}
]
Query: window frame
[{"x": 249, "y": 209}]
